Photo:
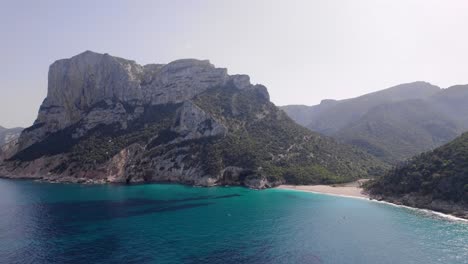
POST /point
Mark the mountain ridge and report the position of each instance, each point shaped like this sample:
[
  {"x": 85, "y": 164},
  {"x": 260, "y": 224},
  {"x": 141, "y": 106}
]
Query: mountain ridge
[{"x": 351, "y": 120}]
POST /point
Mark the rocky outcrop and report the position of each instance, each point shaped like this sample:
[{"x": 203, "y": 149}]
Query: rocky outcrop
[
  {"x": 90, "y": 91},
  {"x": 99, "y": 87},
  {"x": 107, "y": 119},
  {"x": 193, "y": 123}
]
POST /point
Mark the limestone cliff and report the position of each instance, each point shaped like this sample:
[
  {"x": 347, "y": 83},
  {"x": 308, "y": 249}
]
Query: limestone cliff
[
  {"x": 107, "y": 119},
  {"x": 80, "y": 85}
]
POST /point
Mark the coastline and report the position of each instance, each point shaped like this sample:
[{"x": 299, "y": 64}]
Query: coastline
[{"x": 354, "y": 191}]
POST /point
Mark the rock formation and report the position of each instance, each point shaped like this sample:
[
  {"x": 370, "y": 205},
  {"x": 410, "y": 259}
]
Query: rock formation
[
  {"x": 107, "y": 119},
  {"x": 79, "y": 84}
]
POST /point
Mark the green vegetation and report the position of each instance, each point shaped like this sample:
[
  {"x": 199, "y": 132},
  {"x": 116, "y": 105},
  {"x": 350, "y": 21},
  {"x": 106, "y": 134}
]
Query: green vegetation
[
  {"x": 440, "y": 174},
  {"x": 393, "y": 124},
  {"x": 395, "y": 132},
  {"x": 102, "y": 142},
  {"x": 261, "y": 139},
  {"x": 265, "y": 140}
]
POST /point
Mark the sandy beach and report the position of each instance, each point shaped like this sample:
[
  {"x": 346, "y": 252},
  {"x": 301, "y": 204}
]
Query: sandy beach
[{"x": 352, "y": 189}]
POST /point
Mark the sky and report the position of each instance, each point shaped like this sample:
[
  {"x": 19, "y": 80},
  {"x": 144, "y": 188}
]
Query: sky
[{"x": 303, "y": 51}]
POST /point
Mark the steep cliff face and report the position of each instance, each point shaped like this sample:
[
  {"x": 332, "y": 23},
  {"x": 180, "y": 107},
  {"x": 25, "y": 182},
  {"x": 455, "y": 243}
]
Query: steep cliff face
[
  {"x": 107, "y": 119},
  {"x": 78, "y": 86}
]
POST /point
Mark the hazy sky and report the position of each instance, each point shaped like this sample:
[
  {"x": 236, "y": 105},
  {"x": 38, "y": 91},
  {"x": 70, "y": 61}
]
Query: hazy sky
[{"x": 303, "y": 51}]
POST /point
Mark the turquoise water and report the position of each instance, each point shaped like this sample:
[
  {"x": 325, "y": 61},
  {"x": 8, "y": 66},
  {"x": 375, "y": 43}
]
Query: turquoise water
[{"x": 65, "y": 223}]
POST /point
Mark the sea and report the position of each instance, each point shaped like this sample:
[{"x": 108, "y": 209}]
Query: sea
[{"x": 168, "y": 223}]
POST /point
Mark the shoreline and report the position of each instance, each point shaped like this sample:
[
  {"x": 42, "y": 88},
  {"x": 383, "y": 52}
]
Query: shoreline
[{"x": 355, "y": 192}]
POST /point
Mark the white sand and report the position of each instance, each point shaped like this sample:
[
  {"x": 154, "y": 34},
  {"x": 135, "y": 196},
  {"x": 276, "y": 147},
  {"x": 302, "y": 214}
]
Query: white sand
[{"x": 350, "y": 191}]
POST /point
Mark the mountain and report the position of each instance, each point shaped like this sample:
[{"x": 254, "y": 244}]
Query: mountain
[
  {"x": 330, "y": 115},
  {"x": 452, "y": 103},
  {"x": 393, "y": 124},
  {"x": 107, "y": 119},
  {"x": 436, "y": 180},
  {"x": 8, "y": 135},
  {"x": 395, "y": 132}
]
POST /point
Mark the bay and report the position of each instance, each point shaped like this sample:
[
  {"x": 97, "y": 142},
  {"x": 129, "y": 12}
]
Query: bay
[{"x": 166, "y": 223}]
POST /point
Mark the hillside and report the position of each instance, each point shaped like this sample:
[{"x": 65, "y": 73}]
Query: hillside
[
  {"x": 330, "y": 116},
  {"x": 392, "y": 124},
  {"x": 186, "y": 122},
  {"x": 452, "y": 103},
  {"x": 397, "y": 131},
  {"x": 436, "y": 180}
]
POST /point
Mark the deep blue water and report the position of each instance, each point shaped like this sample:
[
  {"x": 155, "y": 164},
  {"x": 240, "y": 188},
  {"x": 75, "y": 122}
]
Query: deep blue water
[{"x": 66, "y": 223}]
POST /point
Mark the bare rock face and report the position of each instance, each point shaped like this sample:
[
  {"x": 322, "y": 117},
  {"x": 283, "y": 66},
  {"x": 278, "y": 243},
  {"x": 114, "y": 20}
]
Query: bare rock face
[
  {"x": 96, "y": 88},
  {"x": 193, "y": 122},
  {"x": 180, "y": 80}
]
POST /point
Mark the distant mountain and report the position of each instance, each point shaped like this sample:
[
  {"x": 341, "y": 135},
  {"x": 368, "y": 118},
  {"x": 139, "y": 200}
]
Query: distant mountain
[
  {"x": 330, "y": 116},
  {"x": 108, "y": 119},
  {"x": 397, "y": 131},
  {"x": 392, "y": 124},
  {"x": 8, "y": 135},
  {"x": 436, "y": 180},
  {"x": 453, "y": 103}
]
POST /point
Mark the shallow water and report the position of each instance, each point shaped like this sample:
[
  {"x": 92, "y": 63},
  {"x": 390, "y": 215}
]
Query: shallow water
[{"x": 159, "y": 223}]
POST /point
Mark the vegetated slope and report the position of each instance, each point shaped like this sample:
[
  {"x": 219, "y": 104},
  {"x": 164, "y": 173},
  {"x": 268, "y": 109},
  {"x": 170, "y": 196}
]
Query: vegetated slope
[
  {"x": 395, "y": 132},
  {"x": 452, "y": 102},
  {"x": 435, "y": 180},
  {"x": 262, "y": 134},
  {"x": 330, "y": 116},
  {"x": 396, "y": 123}
]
